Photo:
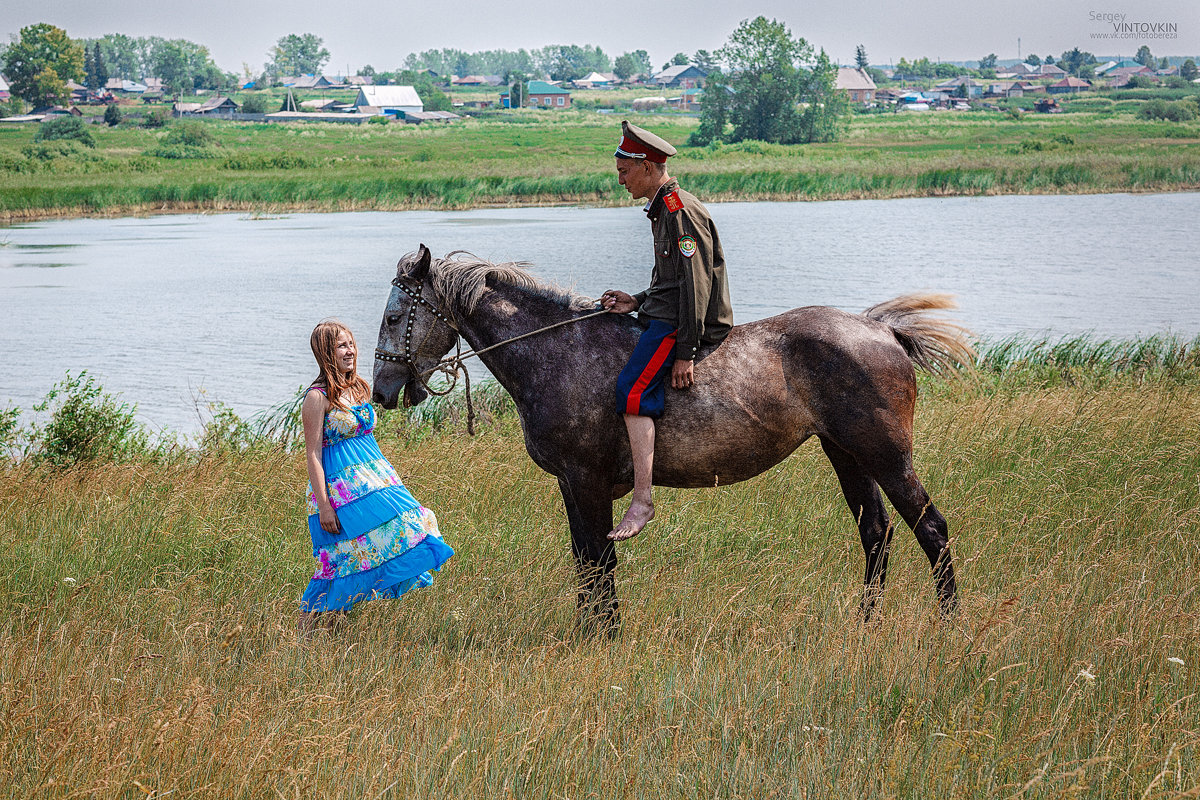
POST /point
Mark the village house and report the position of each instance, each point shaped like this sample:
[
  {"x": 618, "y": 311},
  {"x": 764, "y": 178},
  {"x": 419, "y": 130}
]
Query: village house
[
  {"x": 4, "y": 90},
  {"x": 857, "y": 84},
  {"x": 1069, "y": 85},
  {"x": 680, "y": 76},
  {"x": 212, "y": 107},
  {"x": 540, "y": 94},
  {"x": 391, "y": 100},
  {"x": 961, "y": 87}
]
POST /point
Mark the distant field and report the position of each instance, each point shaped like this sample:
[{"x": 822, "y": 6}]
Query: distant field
[
  {"x": 147, "y": 643},
  {"x": 539, "y": 157}
]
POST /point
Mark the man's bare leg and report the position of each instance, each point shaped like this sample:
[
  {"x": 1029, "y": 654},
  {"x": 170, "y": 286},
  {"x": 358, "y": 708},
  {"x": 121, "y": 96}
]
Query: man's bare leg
[{"x": 641, "y": 507}]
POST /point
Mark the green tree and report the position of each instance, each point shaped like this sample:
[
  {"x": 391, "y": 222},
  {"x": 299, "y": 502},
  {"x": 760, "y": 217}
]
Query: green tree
[
  {"x": 630, "y": 64},
  {"x": 704, "y": 60},
  {"x": 39, "y": 63},
  {"x": 1189, "y": 71},
  {"x": 1074, "y": 61},
  {"x": 781, "y": 91},
  {"x": 566, "y": 62},
  {"x": 1033, "y": 60},
  {"x": 516, "y": 91},
  {"x": 987, "y": 66},
  {"x": 1049, "y": 59},
  {"x": 679, "y": 59},
  {"x": 112, "y": 115},
  {"x": 101, "y": 67},
  {"x": 860, "y": 57},
  {"x": 1145, "y": 57},
  {"x": 298, "y": 54},
  {"x": 715, "y": 103}
]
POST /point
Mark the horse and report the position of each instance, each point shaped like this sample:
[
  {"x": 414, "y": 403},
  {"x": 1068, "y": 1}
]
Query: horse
[{"x": 848, "y": 379}]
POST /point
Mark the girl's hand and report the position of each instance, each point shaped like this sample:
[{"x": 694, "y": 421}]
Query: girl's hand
[{"x": 329, "y": 520}]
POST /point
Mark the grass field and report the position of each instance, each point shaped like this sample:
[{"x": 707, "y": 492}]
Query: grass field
[
  {"x": 531, "y": 157},
  {"x": 147, "y": 642}
]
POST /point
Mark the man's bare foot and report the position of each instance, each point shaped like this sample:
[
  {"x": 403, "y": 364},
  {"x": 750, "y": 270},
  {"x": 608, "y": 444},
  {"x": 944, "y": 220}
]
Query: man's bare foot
[{"x": 640, "y": 512}]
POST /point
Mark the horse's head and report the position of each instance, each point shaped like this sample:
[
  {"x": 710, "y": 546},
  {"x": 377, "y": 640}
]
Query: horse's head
[{"x": 416, "y": 332}]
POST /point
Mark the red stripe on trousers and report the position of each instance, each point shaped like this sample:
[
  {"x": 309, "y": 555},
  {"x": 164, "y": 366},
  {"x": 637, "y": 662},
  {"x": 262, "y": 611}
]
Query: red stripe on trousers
[{"x": 634, "y": 401}]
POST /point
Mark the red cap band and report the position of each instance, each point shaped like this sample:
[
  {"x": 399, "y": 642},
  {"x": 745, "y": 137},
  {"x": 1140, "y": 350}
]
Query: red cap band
[{"x": 635, "y": 148}]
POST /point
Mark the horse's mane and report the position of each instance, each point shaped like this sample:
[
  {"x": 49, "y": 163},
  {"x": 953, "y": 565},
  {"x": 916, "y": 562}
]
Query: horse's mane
[{"x": 460, "y": 280}]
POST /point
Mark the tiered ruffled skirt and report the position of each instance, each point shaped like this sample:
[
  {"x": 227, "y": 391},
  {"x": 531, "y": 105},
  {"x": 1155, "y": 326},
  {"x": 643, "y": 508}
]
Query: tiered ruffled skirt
[{"x": 388, "y": 542}]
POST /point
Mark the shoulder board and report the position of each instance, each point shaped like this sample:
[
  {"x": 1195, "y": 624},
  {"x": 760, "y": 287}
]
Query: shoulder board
[{"x": 672, "y": 201}]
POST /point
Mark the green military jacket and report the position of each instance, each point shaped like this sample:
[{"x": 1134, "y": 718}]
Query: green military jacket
[{"x": 688, "y": 287}]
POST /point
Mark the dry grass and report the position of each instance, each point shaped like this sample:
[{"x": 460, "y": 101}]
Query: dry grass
[{"x": 147, "y": 645}]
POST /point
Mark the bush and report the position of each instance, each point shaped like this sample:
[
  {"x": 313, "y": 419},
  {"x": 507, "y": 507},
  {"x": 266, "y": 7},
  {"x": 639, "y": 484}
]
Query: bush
[
  {"x": 158, "y": 118},
  {"x": 280, "y": 160},
  {"x": 64, "y": 129},
  {"x": 45, "y": 151},
  {"x": 10, "y": 433},
  {"x": 190, "y": 134},
  {"x": 254, "y": 104},
  {"x": 87, "y": 425},
  {"x": 112, "y": 115},
  {"x": 382, "y": 119},
  {"x": 1177, "y": 111}
]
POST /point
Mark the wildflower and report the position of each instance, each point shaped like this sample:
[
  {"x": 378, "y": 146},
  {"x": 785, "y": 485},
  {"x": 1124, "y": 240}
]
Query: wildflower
[
  {"x": 1175, "y": 660},
  {"x": 1087, "y": 676},
  {"x": 616, "y": 688},
  {"x": 72, "y": 582}
]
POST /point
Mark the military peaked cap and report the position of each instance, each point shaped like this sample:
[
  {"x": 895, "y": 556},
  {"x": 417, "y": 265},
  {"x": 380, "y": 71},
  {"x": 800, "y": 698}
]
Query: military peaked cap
[{"x": 642, "y": 144}]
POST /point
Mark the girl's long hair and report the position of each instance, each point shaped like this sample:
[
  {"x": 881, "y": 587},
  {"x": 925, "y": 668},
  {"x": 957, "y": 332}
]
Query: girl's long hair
[{"x": 335, "y": 382}]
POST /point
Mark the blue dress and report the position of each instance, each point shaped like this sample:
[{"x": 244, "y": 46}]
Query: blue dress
[{"x": 388, "y": 542}]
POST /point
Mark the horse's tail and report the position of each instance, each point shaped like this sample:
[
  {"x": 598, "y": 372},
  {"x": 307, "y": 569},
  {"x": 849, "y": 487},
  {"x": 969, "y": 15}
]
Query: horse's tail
[{"x": 933, "y": 344}]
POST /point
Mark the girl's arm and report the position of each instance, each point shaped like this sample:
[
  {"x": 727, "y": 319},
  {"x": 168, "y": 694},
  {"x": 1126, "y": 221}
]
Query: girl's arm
[{"x": 312, "y": 414}]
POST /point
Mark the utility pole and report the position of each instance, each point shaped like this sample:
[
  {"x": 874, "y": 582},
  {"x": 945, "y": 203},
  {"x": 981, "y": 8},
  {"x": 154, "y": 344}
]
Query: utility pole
[{"x": 1018, "y": 48}]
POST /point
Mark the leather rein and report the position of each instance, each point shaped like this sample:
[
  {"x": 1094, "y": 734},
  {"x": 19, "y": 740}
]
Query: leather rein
[{"x": 450, "y": 365}]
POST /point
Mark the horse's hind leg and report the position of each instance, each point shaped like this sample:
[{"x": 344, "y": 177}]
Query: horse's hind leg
[
  {"x": 874, "y": 527},
  {"x": 904, "y": 489}
]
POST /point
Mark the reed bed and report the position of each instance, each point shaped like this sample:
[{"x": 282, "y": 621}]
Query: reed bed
[
  {"x": 148, "y": 645},
  {"x": 532, "y": 158}
]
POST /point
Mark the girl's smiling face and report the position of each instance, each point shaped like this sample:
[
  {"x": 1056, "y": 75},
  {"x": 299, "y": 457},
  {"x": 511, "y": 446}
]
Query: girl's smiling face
[{"x": 345, "y": 354}]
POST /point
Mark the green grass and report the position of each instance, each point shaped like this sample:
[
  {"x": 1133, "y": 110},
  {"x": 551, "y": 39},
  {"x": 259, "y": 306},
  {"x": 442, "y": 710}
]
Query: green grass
[
  {"x": 533, "y": 157},
  {"x": 147, "y": 640}
]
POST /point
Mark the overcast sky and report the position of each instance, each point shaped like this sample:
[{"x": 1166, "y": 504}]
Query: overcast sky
[{"x": 382, "y": 34}]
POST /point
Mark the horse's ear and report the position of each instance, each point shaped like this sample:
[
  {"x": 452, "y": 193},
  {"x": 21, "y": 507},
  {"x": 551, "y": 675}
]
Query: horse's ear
[{"x": 421, "y": 268}]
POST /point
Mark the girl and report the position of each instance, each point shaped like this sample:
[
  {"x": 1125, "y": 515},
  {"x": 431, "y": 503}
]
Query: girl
[{"x": 370, "y": 537}]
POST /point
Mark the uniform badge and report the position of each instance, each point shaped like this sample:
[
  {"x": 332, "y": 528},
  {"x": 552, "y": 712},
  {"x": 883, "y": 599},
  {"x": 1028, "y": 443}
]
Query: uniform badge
[
  {"x": 687, "y": 246},
  {"x": 672, "y": 202}
]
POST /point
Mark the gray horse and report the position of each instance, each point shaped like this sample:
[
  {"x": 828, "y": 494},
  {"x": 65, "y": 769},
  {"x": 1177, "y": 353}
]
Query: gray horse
[{"x": 847, "y": 379}]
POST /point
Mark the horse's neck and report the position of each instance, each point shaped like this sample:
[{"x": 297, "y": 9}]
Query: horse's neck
[{"x": 504, "y": 313}]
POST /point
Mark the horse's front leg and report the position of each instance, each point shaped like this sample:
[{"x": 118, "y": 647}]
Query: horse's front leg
[{"x": 590, "y": 515}]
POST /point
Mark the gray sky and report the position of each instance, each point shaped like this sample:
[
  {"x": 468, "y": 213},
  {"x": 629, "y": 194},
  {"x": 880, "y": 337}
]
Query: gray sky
[{"x": 382, "y": 34}]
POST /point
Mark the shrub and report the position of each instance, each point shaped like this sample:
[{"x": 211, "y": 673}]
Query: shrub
[
  {"x": 190, "y": 134},
  {"x": 45, "y": 151},
  {"x": 64, "y": 129},
  {"x": 10, "y": 432},
  {"x": 112, "y": 115},
  {"x": 254, "y": 104},
  {"x": 281, "y": 160},
  {"x": 87, "y": 425},
  {"x": 1177, "y": 111},
  {"x": 378, "y": 120},
  {"x": 158, "y": 118}
]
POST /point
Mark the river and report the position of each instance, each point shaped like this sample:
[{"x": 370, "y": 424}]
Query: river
[{"x": 175, "y": 311}]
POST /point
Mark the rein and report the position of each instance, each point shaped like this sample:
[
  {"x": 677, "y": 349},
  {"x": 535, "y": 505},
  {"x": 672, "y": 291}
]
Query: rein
[{"x": 451, "y": 365}]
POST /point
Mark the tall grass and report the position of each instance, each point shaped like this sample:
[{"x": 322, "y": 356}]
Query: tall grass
[
  {"x": 530, "y": 158},
  {"x": 147, "y": 643}
]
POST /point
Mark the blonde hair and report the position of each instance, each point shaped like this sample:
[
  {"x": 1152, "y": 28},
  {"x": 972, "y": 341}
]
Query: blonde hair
[{"x": 335, "y": 382}]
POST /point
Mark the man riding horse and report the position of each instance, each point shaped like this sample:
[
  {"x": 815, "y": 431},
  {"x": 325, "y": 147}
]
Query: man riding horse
[{"x": 686, "y": 305}]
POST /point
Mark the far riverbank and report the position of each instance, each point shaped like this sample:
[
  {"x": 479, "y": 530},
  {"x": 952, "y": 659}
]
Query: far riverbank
[{"x": 549, "y": 160}]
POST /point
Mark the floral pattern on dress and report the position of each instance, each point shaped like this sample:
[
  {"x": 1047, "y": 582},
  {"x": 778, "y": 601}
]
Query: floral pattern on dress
[
  {"x": 357, "y": 480},
  {"x": 341, "y": 424},
  {"x": 376, "y": 547}
]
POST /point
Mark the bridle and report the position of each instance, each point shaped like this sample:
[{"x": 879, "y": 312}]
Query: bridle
[{"x": 449, "y": 365}]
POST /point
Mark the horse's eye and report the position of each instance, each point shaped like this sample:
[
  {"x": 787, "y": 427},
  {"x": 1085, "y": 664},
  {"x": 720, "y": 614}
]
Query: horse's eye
[{"x": 393, "y": 319}]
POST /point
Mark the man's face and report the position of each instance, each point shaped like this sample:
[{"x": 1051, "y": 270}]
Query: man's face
[{"x": 634, "y": 174}]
